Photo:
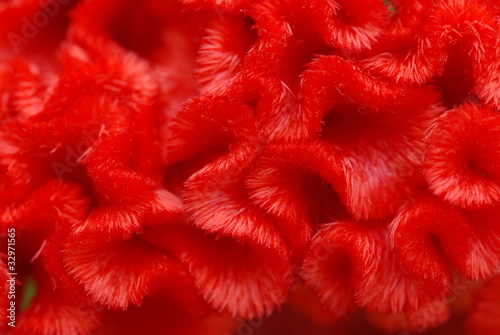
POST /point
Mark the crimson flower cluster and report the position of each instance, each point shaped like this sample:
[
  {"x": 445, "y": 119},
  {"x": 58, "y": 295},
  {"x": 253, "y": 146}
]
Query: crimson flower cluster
[{"x": 173, "y": 166}]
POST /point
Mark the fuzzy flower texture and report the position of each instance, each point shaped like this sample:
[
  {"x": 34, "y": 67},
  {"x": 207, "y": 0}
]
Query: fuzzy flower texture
[{"x": 216, "y": 167}]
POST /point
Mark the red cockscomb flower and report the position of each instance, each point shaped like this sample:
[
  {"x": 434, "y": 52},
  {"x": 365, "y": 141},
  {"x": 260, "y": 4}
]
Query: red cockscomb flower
[{"x": 239, "y": 166}]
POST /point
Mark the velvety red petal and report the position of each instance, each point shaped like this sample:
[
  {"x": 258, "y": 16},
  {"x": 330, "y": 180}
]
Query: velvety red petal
[
  {"x": 58, "y": 203},
  {"x": 272, "y": 70},
  {"x": 347, "y": 259},
  {"x": 217, "y": 200},
  {"x": 427, "y": 233},
  {"x": 243, "y": 279},
  {"x": 376, "y": 129},
  {"x": 462, "y": 161},
  {"x": 210, "y": 122},
  {"x": 297, "y": 184},
  {"x": 434, "y": 47},
  {"x": 327, "y": 271},
  {"x": 484, "y": 260},
  {"x": 222, "y": 51},
  {"x": 117, "y": 273},
  {"x": 53, "y": 310},
  {"x": 25, "y": 86},
  {"x": 19, "y": 177},
  {"x": 346, "y": 25}
]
